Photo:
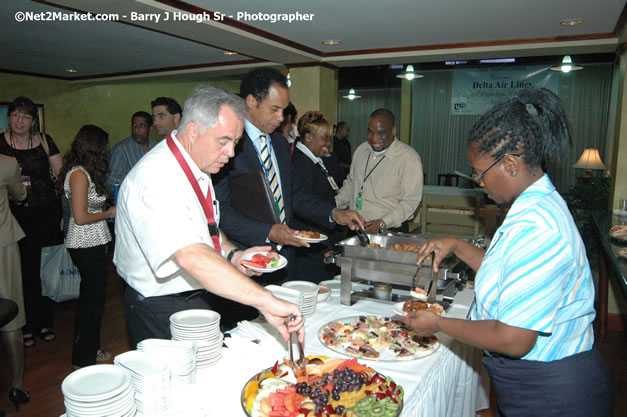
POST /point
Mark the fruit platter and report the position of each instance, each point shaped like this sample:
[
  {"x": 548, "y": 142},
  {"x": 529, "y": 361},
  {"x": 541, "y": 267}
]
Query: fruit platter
[
  {"x": 328, "y": 388},
  {"x": 376, "y": 338}
]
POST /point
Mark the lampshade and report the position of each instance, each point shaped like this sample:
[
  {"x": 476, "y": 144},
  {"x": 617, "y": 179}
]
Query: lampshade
[
  {"x": 567, "y": 65},
  {"x": 409, "y": 73},
  {"x": 589, "y": 160},
  {"x": 351, "y": 94}
]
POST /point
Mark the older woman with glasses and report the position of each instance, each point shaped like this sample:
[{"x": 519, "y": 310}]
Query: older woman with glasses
[
  {"x": 40, "y": 217},
  {"x": 534, "y": 291}
]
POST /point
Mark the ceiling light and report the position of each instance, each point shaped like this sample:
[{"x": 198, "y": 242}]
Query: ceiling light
[
  {"x": 229, "y": 53},
  {"x": 331, "y": 42},
  {"x": 567, "y": 65},
  {"x": 571, "y": 22},
  {"x": 351, "y": 94},
  {"x": 409, "y": 73},
  {"x": 71, "y": 70}
]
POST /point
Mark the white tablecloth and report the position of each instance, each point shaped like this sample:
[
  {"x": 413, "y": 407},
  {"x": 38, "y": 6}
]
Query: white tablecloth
[{"x": 446, "y": 383}]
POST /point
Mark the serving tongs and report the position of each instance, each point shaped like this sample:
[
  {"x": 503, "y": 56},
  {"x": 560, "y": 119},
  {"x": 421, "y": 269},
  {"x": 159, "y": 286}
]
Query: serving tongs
[
  {"x": 361, "y": 234},
  {"x": 299, "y": 367},
  {"x": 430, "y": 287},
  {"x": 434, "y": 284}
]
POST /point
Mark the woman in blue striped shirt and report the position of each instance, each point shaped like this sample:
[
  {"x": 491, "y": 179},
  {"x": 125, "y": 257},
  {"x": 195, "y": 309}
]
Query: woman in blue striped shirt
[{"x": 534, "y": 289}]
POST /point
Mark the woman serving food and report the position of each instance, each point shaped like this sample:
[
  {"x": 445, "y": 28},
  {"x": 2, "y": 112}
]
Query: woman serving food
[{"x": 534, "y": 291}]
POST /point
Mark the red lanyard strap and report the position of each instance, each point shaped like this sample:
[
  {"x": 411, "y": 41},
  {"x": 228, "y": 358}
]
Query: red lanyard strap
[{"x": 206, "y": 206}]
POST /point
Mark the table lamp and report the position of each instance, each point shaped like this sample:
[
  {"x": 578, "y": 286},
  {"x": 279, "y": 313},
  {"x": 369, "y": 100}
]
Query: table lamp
[{"x": 590, "y": 160}]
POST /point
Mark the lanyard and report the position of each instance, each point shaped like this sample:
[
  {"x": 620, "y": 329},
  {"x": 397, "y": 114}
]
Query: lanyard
[
  {"x": 204, "y": 202},
  {"x": 332, "y": 182},
  {"x": 366, "y": 169}
]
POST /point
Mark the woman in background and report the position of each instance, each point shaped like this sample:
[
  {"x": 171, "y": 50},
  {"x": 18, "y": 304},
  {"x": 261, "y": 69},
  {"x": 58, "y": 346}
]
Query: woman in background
[
  {"x": 40, "y": 217},
  {"x": 534, "y": 291},
  {"x": 83, "y": 176},
  {"x": 11, "y": 188},
  {"x": 318, "y": 174}
]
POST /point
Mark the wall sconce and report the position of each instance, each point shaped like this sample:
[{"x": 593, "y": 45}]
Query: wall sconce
[
  {"x": 589, "y": 160},
  {"x": 567, "y": 65},
  {"x": 351, "y": 94},
  {"x": 409, "y": 73}
]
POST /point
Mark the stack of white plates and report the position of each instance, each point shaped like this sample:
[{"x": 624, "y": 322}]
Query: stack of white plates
[
  {"x": 179, "y": 356},
  {"x": 151, "y": 380},
  {"x": 310, "y": 295},
  {"x": 98, "y": 390},
  {"x": 287, "y": 294},
  {"x": 202, "y": 327}
]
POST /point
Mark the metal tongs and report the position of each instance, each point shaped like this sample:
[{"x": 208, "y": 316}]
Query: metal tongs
[
  {"x": 301, "y": 364},
  {"x": 430, "y": 287},
  {"x": 434, "y": 284},
  {"x": 361, "y": 234}
]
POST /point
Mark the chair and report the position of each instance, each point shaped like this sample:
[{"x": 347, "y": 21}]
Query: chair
[
  {"x": 448, "y": 215},
  {"x": 448, "y": 179}
]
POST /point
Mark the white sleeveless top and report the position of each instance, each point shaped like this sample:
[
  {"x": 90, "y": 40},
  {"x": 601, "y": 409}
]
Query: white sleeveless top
[{"x": 86, "y": 235}]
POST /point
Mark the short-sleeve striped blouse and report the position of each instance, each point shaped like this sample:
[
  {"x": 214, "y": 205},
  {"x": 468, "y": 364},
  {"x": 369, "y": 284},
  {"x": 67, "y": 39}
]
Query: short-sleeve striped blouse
[{"x": 535, "y": 275}]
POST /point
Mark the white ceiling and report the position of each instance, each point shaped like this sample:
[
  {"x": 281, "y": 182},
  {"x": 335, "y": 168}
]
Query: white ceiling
[{"x": 396, "y": 31}]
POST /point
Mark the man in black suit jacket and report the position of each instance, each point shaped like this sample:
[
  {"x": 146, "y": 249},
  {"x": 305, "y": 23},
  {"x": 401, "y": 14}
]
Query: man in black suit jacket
[{"x": 266, "y": 94}]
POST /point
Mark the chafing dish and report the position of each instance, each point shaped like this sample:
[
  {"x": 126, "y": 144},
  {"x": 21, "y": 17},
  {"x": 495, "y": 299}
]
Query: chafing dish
[{"x": 378, "y": 265}]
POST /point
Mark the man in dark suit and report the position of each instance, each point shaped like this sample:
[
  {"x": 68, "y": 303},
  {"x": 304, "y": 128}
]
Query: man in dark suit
[{"x": 266, "y": 94}]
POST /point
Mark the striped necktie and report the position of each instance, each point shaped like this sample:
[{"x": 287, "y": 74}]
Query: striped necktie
[{"x": 272, "y": 177}]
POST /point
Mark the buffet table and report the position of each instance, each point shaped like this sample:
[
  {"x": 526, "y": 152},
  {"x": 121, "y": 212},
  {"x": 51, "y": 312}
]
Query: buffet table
[{"x": 450, "y": 382}]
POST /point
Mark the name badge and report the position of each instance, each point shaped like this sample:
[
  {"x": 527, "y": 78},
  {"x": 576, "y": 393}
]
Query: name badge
[
  {"x": 358, "y": 202},
  {"x": 332, "y": 182}
]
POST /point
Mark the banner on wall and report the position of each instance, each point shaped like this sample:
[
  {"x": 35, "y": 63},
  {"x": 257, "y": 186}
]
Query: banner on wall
[{"x": 476, "y": 90}]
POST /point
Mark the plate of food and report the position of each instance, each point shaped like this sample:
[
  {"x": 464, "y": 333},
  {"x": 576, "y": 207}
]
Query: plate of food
[
  {"x": 376, "y": 338},
  {"x": 310, "y": 236},
  {"x": 331, "y": 387},
  {"x": 264, "y": 261},
  {"x": 415, "y": 305},
  {"x": 619, "y": 233}
]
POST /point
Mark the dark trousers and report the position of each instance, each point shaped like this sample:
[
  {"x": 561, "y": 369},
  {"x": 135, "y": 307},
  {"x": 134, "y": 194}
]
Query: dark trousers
[
  {"x": 577, "y": 386},
  {"x": 92, "y": 265},
  {"x": 149, "y": 317},
  {"x": 41, "y": 226}
]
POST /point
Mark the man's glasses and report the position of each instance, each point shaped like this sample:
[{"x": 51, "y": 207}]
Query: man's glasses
[{"x": 477, "y": 177}]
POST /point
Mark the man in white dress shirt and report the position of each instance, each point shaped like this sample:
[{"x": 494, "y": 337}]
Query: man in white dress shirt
[{"x": 164, "y": 248}]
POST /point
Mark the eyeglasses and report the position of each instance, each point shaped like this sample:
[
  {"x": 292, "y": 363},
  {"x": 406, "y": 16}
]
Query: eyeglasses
[
  {"x": 477, "y": 177},
  {"x": 23, "y": 116}
]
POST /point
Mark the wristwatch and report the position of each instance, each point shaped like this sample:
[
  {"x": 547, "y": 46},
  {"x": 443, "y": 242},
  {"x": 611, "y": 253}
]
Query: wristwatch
[
  {"x": 229, "y": 257},
  {"x": 382, "y": 226}
]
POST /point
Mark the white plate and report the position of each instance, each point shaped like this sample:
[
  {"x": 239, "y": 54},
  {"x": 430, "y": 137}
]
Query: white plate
[
  {"x": 386, "y": 354},
  {"x": 195, "y": 318},
  {"x": 95, "y": 382},
  {"x": 282, "y": 262},
  {"x": 322, "y": 238},
  {"x": 309, "y": 289}
]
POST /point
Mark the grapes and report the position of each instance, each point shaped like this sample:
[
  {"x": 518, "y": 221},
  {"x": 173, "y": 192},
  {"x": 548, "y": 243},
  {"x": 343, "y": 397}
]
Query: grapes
[{"x": 339, "y": 409}]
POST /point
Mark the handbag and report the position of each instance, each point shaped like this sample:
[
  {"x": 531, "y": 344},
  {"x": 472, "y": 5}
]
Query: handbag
[{"x": 60, "y": 278}]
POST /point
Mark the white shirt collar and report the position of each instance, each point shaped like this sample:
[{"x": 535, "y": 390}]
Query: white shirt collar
[
  {"x": 200, "y": 176},
  {"x": 308, "y": 153}
]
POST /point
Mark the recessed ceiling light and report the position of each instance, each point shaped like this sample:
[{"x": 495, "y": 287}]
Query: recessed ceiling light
[
  {"x": 571, "y": 22},
  {"x": 229, "y": 53},
  {"x": 71, "y": 70},
  {"x": 331, "y": 42}
]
